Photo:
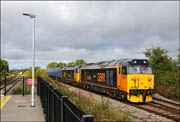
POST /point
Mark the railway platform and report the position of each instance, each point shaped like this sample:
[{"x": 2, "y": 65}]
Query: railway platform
[{"x": 16, "y": 108}]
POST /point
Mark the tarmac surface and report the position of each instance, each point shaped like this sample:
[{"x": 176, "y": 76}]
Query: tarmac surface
[{"x": 17, "y": 108}]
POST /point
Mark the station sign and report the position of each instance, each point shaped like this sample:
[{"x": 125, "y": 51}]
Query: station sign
[{"x": 29, "y": 81}]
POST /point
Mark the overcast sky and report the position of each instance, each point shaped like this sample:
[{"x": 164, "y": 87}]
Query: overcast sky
[{"x": 93, "y": 31}]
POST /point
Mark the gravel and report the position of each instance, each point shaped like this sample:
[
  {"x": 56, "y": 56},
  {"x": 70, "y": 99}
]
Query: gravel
[{"x": 161, "y": 97}]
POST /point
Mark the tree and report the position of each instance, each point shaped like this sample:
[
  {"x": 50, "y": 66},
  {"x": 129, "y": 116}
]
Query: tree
[
  {"x": 4, "y": 67},
  {"x": 80, "y": 61},
  {"x": 77, "y": 62},
  {"x": 52, "y": 65},
  {"x": 71, "y": 64},
  {"x": 159, "y": 59},
  {"x": 179, "y": 57},
  {"x": 162, "y": 65},
  {"x": 37, "y": 72},
  {"x": 61, "y": 64}
]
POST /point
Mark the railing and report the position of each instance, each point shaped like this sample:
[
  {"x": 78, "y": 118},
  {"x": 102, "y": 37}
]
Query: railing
[{"x": 56, "y": 107}]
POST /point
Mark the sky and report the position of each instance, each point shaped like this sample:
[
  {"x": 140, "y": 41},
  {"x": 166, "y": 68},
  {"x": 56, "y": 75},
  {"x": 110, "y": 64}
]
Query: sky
[{"x": 92, "y": 30}]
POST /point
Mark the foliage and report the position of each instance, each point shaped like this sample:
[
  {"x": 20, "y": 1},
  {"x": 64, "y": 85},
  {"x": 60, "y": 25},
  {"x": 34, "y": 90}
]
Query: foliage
[
  {"x": 179, "y": 57},
  {"x": 77, "y": 62},
  {"x": 61, "y": 64},
  {"x": 38, "y": 72},
  {"x": 4, "y": 67},
  {"x": 52, "y": 65},
  {"x": 19, "y": 89},
  {"x": 71, "y": 64},
  {"x": 80, "y": 61},
  {"x": 56, "y": 65},
  {"x": 165, "y": 69}
]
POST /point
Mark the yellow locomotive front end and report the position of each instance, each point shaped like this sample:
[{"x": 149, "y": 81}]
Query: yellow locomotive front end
[
  {"x": 140, "y": 83},
  {"x": 140, "y": 87}
]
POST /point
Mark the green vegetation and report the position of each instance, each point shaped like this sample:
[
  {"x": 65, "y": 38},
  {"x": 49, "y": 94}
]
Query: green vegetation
[
  {"x": 19, "y": 89},
  {"x": 80, "y": 61},
  {"x": 4, "y": 67},
  {"x": 166, "y": 71},
  {"x": 38, "y": 72},
  {"x": 56, "y": 65}
]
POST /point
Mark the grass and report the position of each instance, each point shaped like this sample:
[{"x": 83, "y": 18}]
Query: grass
[
  {"x": 101, "y": 110},
  {"x": 170, "y": 92},
  {"x": 19, "y": 89}
]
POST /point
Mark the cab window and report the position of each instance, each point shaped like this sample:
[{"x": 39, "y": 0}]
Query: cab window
[
  {"x": 124, "y": 70},
  {"x": 139, "y": 70},
  {"x": 77, "y": 70}
]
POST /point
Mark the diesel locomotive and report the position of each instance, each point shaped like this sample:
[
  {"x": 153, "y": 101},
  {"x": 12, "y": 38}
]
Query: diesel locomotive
[{"x": 126, "y": 79}]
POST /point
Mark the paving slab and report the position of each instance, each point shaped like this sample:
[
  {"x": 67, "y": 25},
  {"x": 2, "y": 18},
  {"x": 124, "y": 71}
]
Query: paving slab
[{"x": 18, "y": 109}]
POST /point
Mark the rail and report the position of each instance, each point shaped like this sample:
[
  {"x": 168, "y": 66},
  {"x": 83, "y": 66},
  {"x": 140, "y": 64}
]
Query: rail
[
  {"x": 8, "y": 83},
  {"x": 57, "y": 107}
]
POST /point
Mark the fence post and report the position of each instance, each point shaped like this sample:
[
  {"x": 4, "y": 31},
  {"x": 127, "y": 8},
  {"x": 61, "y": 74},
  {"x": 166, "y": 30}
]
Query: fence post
[
  {"x": 23, "y": 85},
  {"x": 62, "y": 107},
  {"x": 38, "y": 86},
  {"x": 53, "y": 105},
  {"x": 87, "y": 118},
  {"x": 48, "y": 111},
  {"x": 5, "y": 80}
]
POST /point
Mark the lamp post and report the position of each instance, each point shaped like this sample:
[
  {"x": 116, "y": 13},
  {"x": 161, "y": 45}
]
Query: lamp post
[{"x": 32, "y": 16}]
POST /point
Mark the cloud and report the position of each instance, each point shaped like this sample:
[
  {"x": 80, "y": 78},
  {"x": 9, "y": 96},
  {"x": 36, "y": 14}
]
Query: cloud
[{"x": 94, "y": 31}]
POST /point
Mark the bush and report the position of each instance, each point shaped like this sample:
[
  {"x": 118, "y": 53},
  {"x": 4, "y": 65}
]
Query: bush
[{"x": 17, "y": 90}]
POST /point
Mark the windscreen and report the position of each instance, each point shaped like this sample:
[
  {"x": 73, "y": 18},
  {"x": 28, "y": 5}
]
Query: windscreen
[{"x": 139, "y": 70}]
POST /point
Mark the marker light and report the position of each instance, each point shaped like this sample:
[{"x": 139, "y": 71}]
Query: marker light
[
  {"x": 138, "y": 78},
  {"x": 149, "y": 79}
]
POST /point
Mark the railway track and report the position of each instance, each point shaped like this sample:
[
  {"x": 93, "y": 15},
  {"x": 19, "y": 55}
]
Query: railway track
[
  {"x": 161, "y": 110},
  {"x": 167, "y": 102},
  {"x": 10, "y": 83},
  {"x": 7, "y": 80}
]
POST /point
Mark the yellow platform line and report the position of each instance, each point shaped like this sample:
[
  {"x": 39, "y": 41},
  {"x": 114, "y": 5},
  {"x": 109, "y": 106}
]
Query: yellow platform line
[{"x": 4, "y": 100}]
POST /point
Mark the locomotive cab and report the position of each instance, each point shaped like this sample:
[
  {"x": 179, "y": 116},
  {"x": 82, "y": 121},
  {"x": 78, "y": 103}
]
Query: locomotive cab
[{"x": 140, "y": 81}]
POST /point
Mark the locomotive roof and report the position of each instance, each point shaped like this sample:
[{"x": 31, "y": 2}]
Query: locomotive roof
[
  {"x": 120, "y": 62},
  {"x": 71, "y": 67}
]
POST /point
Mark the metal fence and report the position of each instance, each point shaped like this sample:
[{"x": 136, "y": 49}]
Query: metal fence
[{"x": 56, "y": 107}]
